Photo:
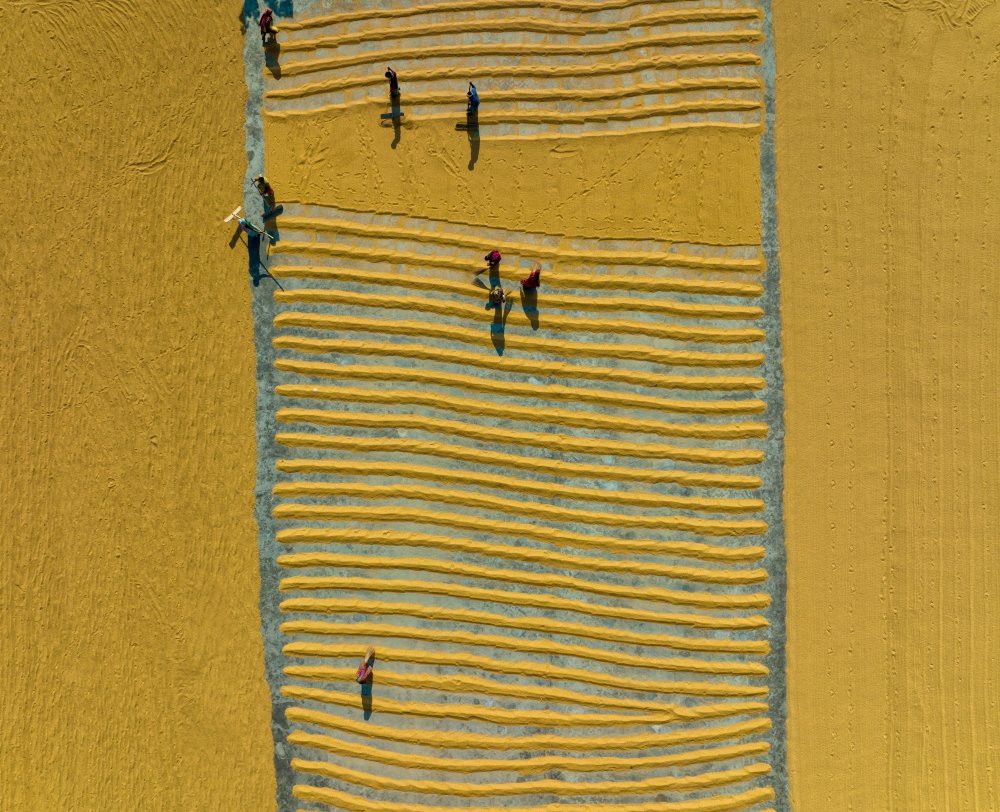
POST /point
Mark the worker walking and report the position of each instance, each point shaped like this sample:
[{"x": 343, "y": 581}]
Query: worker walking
[
  {"x": 266, "y": 24},
  {"x": 473, "y": 97},
  {"x": 533, "y": 280},
  {"x": 367, "y": 667}
]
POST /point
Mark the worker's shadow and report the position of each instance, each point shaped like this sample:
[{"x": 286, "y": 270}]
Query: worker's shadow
[
  {"x": 272, "y": 50},
  {"x": 396, "y": 111},
  {"x": 472, "y": 130},
  {"x": 270, "y": 218},
  {"x": 529, "y": 304},
  {"x": 367, "y": 687},
  {"x": 494, "y": 277},
  {"x": 258, "y": 270},
  {"x": 499, "y": 324}
]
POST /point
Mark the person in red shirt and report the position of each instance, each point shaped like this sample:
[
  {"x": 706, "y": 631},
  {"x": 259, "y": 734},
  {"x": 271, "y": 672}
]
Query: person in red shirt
[
  {"x": 367, "y": 666},
  {"x": 266, "y": 25},
  {"x": 533, "y": 280}
]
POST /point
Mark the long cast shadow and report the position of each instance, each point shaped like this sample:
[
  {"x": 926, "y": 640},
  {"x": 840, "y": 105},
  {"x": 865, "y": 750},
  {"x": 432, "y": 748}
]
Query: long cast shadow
[
  {"x": 529, "y": 304},
  {"x": 499, "y": 325},
  {"x": 396, "y": 110},
  {"x": 367, "y": 689},
  {"x": 472, "y": 130},
  {"x": 258, "y": 270},
  {"x": 271, "y": 53}
]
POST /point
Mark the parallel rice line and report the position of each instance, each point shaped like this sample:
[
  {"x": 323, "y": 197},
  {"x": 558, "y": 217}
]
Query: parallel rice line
[
  {"x": 630, "y": 547},
  {"x": 466, "y": 335},
  {"x": 697, "y": 383},
  {"x": 537, "y": 764},
  {"x": 495, "y": 504},
  {"x": 501, "y": 459},
  {"x": 463, "y": 662},
  {"x": 545, "y": 580},
  {"x": 674, "y": 61},
  {"x": 691, "y": 310},
  {"x": 560, "y": 443},
  {"x": 525, "y": 366},
  {"x": 558, "y": 417},
  {"x": 532, "y": 94},
  {"x": 537, "y": 623},
  {"x": 454, "y": 684},
  {"x": 452, "y": 636},
  {"x": 546, "y": 490},
  {"x": 540, "y": 600},
  {"x": 519, "y": 24},
  {"x": 324, "y": 558},
  {"x": 416, "y": 9},
  {"x": 537, "y": 49},
  {"x": 449, "y": 332},
  {"x": 351, "y": 802},
  {"x": 472, "y": 313},
  {"x": 370, "y": 514},
  {"x": 592, "y": 281},
  {"x": 456, "y": 239},
  {"x": 645, "y": 786},
  {"x": 752, "y": 128},
  {"x": 550, "y": 116},
  {"x": 525, "y": 743},
  {"x": 533, "y": 717}
]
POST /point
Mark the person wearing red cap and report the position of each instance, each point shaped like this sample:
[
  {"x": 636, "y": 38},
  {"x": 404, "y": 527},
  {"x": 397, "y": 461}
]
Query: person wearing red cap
[{"x": 266, "y": 25}]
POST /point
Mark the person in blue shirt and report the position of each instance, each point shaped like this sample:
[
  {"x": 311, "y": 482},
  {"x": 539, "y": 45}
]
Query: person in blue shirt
[{"x": 473, "y": 97}]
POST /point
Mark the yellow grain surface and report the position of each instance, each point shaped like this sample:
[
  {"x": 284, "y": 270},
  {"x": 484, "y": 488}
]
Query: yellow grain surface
[
  {"x": 131, "y": 680},
  {"x": 888, "y": 169},
  {"x": 131, "y": 674}
]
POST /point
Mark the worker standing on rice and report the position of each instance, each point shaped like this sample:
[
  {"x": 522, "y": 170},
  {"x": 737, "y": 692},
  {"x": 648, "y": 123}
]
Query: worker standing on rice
[
  {"x": 263, "y": 187},
  {"x": 533, "y": 280},
  {"x": 473, "y": 97},
  {"x": 390, "y": 74},
  {"x": 266, "y": 24},
  {"x": 367, "y": 667}
]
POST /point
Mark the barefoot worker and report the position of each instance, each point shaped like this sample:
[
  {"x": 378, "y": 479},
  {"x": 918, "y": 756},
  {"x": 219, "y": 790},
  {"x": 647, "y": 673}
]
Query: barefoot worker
[
  {"x": 263, "y": 187},
  {"x": 533, "y": 280},
  {"x": 473, "y": 97},
  {"x": 498, "y": 296},
  {"x": 390, "y": 74},
  {"x": 367, "y": 667},
  {"x": 266, "y": 25},
  {"x": 250, "y": 228}
]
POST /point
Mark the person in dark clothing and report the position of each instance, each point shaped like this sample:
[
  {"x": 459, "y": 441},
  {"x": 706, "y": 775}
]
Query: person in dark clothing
[{"x": 390, "y": 74}]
